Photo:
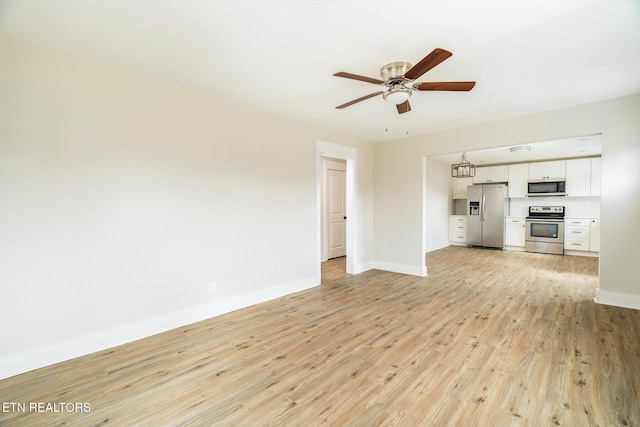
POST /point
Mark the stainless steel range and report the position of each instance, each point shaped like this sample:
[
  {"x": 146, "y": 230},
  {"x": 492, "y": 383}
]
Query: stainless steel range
[{"x": 545, "y": 230}]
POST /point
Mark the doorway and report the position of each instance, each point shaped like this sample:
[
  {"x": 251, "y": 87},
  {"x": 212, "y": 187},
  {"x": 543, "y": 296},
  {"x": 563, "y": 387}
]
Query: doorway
[
  {"x": 348, "y": 155},
  {"x": 515, "y": 156},
  {"x": 334, "y": 221}
]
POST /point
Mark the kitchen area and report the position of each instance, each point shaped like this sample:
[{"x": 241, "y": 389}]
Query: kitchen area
[{"x": 549, "y": 206}]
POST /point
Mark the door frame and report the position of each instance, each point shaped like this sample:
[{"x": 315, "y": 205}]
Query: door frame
[{"x": 349, "y": 154}]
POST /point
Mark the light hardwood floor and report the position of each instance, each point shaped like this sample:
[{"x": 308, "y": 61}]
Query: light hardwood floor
[{"x": 489, "y": 338}]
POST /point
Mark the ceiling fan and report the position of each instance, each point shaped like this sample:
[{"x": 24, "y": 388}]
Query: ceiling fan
[{"x": 399, "y": 77}]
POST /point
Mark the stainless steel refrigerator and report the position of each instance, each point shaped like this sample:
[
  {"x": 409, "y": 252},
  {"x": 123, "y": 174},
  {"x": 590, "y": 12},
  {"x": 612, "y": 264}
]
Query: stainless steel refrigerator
[{"x": 487, "y": 207}]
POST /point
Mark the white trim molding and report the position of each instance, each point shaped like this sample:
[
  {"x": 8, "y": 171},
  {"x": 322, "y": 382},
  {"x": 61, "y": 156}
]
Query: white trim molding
[
  {"x": 350, "y": 155},
  {"x": 29, "y": 360},
  {"x": 361, "y": 268},
  {"x": 436, "y": 246},
  {"x": 617, "y": 299},
  {"x": 401, "y": 268}
]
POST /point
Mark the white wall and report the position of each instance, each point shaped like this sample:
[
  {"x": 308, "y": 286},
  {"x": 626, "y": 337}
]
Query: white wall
[
  {"x": 437, "y": 206},
  {"x": 123, "y": 196},
  {"x": 398, "y": 178},
  {"x": 399, "y": 191}
]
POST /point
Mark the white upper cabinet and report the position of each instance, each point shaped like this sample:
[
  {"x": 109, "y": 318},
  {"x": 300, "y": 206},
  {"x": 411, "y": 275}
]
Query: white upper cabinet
[
  {"x": 518, "y": 177},
  {"x": 578, "y": 172},
  {"x": 581, "y": 176},
  {"x": 547, "y": 170},
  {"x": 595, "y": 176},
  {"x": 460, "y": 187},
  {"x": 489, "y": 174}
]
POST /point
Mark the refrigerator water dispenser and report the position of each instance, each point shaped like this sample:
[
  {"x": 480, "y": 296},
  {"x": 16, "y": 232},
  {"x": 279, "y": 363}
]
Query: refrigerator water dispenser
[{"x": 474, "y": 208}]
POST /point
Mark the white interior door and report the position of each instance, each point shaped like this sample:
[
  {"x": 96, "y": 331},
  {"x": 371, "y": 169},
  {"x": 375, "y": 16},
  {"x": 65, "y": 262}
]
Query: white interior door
[{"x": 336, "y": 209}]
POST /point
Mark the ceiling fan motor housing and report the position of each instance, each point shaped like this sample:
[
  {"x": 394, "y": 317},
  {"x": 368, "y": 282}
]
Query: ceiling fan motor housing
[{"x": 394, "y": 73}]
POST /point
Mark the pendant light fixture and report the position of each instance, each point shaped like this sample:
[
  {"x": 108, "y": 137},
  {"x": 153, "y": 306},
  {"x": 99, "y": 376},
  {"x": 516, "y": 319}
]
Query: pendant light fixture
[{"x": 463, "y": 169}]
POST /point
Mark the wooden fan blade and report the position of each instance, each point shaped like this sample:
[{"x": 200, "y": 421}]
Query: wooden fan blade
[
  {"x": 357, "y": 77},
  {"x": 460, "y": 86},
  {"x": 404, "y": 107},
  {"x": 371, "y": 95},
  {"x": 428, "y": 62}
]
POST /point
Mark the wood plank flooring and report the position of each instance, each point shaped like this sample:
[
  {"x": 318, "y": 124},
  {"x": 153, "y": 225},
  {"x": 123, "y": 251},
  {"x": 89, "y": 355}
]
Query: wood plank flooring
[{"x": 489, "y": 338}]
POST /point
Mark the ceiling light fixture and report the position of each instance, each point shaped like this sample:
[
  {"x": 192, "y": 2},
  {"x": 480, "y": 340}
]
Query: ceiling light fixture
[
  {"x": 464, "y": 169},
  {"x": 520, "y": 148},
  {"x": 397, "y": 94}
]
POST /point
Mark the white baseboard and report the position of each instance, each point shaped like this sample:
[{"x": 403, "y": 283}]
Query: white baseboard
[
  {"x": 361, "y": 268},
  {"x": 101, "y": 340},
  {"x": 436, "y": 246},
  {"x": 401, "y": 268},
  {"x": 582, "y": 253},
  {"x": 617, "y": 299}
]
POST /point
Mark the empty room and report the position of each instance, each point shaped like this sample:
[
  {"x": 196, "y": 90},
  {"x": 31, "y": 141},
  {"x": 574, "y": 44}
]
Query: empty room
[{"x": 243, "y": 213}]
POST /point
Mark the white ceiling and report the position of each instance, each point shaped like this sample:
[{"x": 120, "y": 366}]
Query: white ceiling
[
  {"x": 584, "y": 146},
  {"x": 526, "y": 56}
]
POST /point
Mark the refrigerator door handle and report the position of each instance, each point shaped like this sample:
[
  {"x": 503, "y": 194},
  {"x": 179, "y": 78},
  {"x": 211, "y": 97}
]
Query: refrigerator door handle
[{"x": 484, "y": 201}]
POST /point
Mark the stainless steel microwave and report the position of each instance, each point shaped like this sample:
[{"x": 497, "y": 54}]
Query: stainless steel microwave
[{"x": 546, "y": 187}]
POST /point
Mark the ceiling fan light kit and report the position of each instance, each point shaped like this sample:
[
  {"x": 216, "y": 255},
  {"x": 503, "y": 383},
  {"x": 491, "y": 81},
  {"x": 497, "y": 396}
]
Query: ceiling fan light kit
[
  {"x": 399, "y": 78},
  {"x": 397, "y": 94}
]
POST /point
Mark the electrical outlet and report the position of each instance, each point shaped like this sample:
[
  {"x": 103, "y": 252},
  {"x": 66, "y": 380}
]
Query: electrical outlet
[{"x": 213, "y": 288}]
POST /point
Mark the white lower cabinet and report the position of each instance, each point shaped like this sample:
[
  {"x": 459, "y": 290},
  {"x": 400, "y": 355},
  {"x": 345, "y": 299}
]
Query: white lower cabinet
[
  {"x": 594, "y": 236},
  {"x": 514, "y": 231},
  {"x": 596, "y": 164},
  {"x": 458, "y": 229},
  {"x": 578, "y": 235}
]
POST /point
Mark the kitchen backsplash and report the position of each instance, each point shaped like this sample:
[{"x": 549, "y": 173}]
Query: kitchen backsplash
[{"x": 575, "y": 207}]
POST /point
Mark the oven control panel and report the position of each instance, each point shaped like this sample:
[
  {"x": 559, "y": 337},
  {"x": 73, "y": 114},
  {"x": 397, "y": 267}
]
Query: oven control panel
[{"x": 546, "y": 209}]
